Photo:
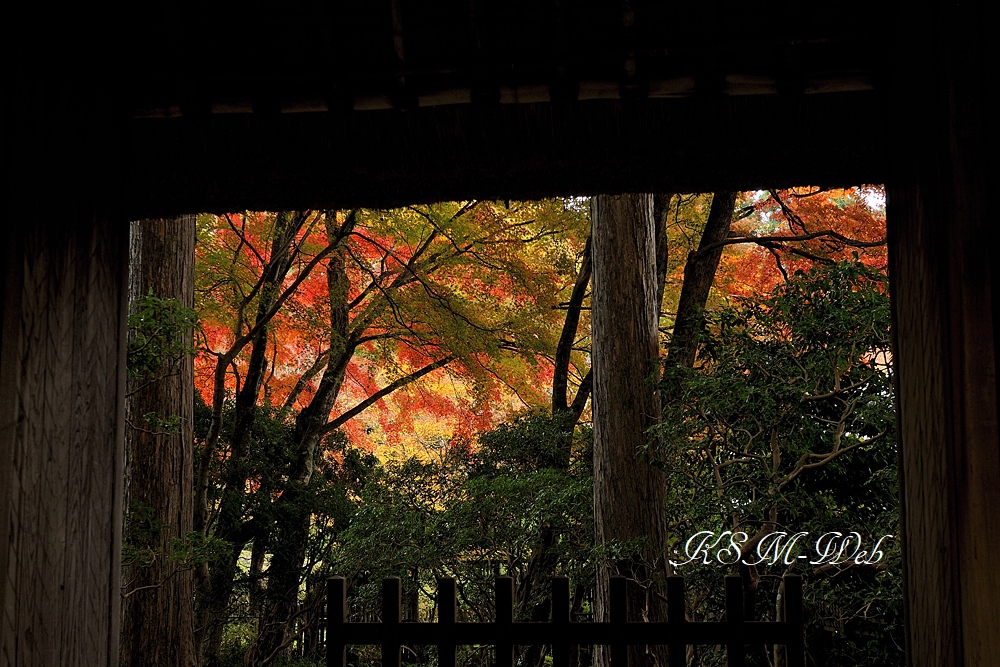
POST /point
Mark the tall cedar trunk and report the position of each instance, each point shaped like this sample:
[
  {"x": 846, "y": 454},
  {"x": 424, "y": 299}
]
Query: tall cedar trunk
[
  {"x": 629, "y": 492},
  {"x": 541, "y": 566},
  {"x": 292, "y": 509},
  {"x": 215, "y": 586},
  {"x": 158, "y": 608}
]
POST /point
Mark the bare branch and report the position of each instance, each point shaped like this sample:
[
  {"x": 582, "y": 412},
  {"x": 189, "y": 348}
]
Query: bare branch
[
  {"x": 760, "y": 240},
  {"x": 382, "y": 393}
]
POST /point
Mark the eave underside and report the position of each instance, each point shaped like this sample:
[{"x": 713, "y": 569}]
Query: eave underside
[{"x": 393, "y": 157}]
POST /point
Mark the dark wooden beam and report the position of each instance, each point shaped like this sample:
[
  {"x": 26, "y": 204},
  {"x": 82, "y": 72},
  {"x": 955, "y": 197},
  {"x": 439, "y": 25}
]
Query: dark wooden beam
[{"x": 391, "y": 158}]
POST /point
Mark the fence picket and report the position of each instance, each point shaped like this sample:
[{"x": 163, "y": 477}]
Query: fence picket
[
  {"x": 391, "y": 607},
  {"x": 735, "y": 648},
  {"x": 560, "y": 619},
  {"x": 336, "y": 616},
  {"x": 505, "y": 619},
  {"x": 618, "y": 609},
  {"x": 676, "y": 619},
  {"x": 447, "y": 599},
  {"x": 795, "y": 650}
]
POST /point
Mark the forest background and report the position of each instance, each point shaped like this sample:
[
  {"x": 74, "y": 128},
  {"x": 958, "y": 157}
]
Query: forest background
[{"x": 405, "y": 393}]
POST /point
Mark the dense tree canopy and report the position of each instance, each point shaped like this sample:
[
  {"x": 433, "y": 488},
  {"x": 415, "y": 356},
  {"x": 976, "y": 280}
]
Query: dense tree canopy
[
  {"x": 405, "y": 393},
  {"x": 788, "y": 424},
  {"x": 318, "y": 319},
  {"x": 473, "y": 283}
]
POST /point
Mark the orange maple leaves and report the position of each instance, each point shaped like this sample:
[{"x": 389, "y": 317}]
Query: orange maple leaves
[{"x": 469, "y": 283}]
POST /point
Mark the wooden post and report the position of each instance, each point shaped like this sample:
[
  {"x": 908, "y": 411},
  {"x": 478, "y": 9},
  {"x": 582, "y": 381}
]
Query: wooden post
[
  {"x": 795, "y": 650},
  {"x": 560, "y": 621},
  {"x": 942, "y": 250},
  {"x": 62, "y": 375},
  {"x": 735, "y": 648},
  {"x": 618, "y": 617},
  {"x": 677, "y": 619},
  {"x": 505, "y": 616}
]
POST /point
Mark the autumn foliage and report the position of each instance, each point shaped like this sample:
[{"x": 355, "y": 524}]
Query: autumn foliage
[
  {"x": 488, "y": 282},
  {"x": 430, "y": 336},
  {"x": 833, "y": 226},
  {"x": 475, "y": 283}
]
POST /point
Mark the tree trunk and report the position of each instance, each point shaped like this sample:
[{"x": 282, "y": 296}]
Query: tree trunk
[
  {"x": 564, "y": 349},
  {"x": 293, "y": 509},
  {"x": 158, "y": 608},
  {"x": 661, "y": 216},
  {"x": 215, "y": 584},
  {"x": 699, "y": 274},
  {"x": 629, "y": 492}
]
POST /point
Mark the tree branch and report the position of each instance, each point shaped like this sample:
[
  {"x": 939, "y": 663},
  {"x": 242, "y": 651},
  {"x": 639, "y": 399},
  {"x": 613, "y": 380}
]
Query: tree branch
[
  {"x": 382, "y": 393},
  {"x": 760, "y": 240},
  {"x": 560, "y": 373}
]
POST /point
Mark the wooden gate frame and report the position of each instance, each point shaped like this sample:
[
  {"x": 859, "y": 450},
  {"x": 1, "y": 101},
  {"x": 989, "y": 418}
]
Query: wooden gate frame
[{"x": 82, "y": 166}]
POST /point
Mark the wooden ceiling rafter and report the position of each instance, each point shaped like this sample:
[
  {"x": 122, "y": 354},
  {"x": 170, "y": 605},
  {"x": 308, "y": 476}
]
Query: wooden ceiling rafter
[{"x": 400, "y": 54}]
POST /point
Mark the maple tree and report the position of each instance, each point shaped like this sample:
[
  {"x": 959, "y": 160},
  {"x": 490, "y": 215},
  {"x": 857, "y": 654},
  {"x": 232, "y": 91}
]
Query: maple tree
[
  {"x": 474, "y": 514},
  {"x": 491, "y": 296},
  {"x": 778, "y": 232},
  {"x": 316, "y": 317},
  {"x": 441, "y": 526}
]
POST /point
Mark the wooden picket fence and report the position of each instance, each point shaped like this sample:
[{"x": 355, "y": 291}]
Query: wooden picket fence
[{"x": 618, "y": 633}]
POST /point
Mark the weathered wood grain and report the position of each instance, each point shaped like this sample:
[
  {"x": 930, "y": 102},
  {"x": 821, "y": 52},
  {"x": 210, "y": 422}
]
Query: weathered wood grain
[
  {"x": 61, "y": 397},
  {"x": 158, "y": 605},
  {"x": 943, "y": 271},
  {"x": 629, "y": 492}
]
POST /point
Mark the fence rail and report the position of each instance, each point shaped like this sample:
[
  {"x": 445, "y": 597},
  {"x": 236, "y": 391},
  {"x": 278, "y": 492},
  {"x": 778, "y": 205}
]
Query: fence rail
[{"x": 618, "y": 633}]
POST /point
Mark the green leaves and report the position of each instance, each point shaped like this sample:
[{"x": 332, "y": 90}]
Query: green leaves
[
  {"x": 159, "y": 335},
  {"x": 471, "y": 516},
  {"x": 788, "y": 423},
  {"x": 143, "y": 531}
]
